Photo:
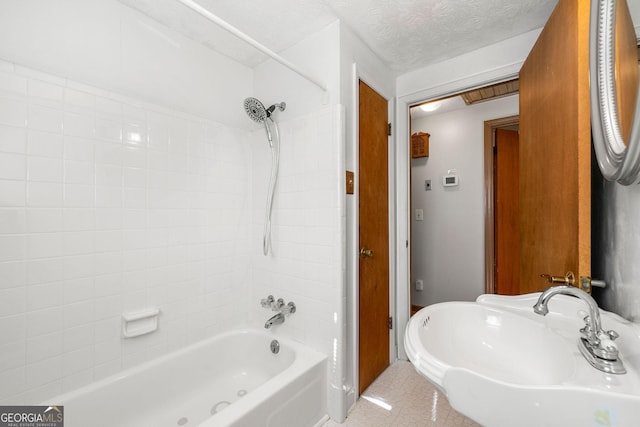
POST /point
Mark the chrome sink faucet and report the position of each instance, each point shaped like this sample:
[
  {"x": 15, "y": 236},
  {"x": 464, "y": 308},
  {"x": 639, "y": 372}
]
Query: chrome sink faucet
[
  {"x": 594, "y": 343},
  {"x": 279, "y": 306}
]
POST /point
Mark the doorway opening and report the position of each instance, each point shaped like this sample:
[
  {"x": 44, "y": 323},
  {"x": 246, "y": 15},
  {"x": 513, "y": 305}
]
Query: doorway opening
[
  {"x": 449, "y": 194},
  {"x": 502, "y": 236}
]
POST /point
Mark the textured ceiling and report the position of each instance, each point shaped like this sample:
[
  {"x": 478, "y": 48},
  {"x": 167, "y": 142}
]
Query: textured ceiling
[
  {"x": 406, "y": 34},
  {"x": 409, "y": 34}
]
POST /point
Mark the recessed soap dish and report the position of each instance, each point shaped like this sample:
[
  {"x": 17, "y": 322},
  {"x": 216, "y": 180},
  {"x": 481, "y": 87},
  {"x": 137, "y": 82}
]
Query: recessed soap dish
[{"x": 139, "y": 323}]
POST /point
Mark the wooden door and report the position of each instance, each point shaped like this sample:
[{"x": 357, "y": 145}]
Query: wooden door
[
  {"x": 555, "y": 150},
  {"x": 507, "y": 226},
  {"x": 373, "y": 236}
]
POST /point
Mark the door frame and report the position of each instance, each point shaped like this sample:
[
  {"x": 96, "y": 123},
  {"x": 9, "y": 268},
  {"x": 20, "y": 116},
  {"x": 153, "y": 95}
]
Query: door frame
[
  {"x": 388, "y": 311},
  {"x": 495, "y": 75},
  {"x": 352, "y": 256},
  {"x": 489, "y": 200}
]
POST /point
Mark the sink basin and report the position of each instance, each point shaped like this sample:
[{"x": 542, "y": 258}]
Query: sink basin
[
  {"x": 491, "y": 342},
  {"x": 502, "y": 365}
]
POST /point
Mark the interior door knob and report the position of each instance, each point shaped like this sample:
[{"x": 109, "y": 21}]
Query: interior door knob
[{"x": 366, "y": 253}]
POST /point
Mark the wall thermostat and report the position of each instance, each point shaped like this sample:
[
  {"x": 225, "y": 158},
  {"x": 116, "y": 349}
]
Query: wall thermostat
[{"x": 450, "y": 180}]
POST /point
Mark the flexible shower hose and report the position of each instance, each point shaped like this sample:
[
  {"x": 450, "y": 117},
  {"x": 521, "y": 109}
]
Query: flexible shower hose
[{"x": 275, "y": 159}]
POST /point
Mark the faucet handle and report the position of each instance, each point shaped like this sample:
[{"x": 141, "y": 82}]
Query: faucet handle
[
  {"x": 613, "y": 335},
  {"x": 606, "y": 349},
  {"x": 267, "y": 302},
  {"x": 587, "y": 323},
  {"x": 289, "y": 308},
  {"x": 277, "y": 305},
  {"x": 588, "y": 333},
  {"x": 590, "y": 337}
]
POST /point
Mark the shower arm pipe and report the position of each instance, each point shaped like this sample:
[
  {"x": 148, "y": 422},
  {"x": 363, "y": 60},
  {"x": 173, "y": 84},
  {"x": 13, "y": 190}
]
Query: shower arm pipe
[{"x": 253, "y": 42}]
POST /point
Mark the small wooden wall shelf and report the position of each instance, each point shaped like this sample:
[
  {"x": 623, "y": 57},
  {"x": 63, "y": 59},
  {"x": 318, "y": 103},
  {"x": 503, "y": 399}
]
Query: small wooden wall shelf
[{"x": 419, "y": 145}]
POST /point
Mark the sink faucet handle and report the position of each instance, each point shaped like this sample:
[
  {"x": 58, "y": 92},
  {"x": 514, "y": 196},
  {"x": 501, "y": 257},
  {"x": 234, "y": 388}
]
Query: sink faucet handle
[
  {"x": 613, "y": 335},
  {"x": 277, "y": 306},
  {"x": 589, "y": 336},
  {"x": 606, "y": 348},
  {"x": 587, "y": 326},
  {"x": 588, "y": 333}
]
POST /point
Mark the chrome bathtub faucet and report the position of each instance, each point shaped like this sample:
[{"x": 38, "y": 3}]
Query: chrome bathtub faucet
[
  {"x": 279, "y": 306},
  {"x": 274, "y": 320},
  {"x": 594, "y": 343}
]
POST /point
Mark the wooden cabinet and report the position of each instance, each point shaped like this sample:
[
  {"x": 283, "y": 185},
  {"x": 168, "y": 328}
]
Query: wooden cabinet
[{"x": 419, "y": 145}]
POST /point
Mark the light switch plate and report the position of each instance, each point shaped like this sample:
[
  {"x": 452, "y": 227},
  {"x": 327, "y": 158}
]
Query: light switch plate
[{"x": 350, "y": 182}]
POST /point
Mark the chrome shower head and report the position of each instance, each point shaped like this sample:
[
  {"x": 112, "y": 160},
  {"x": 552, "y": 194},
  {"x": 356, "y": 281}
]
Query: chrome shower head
[
  {"x": 281, "y": 106},
  {"x": 255, "y": 110}
]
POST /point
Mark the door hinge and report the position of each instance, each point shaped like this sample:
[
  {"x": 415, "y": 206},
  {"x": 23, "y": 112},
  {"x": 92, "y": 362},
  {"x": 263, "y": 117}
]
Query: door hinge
[
  {"x": 389, "y": 129},
  {"x": 390, "y": 322}
]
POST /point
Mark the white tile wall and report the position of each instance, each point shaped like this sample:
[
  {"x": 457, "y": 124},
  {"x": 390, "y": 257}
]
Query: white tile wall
[
  {"x": 305, "y": 265},
  {"x": 108, "y": 205}
]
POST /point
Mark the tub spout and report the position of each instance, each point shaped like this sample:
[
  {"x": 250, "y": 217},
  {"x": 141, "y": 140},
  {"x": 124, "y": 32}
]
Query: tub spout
[{"x": 274, "y": 320}]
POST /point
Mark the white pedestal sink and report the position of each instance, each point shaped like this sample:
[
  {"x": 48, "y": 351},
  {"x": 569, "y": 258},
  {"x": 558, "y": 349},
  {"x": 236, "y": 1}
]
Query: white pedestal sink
[{"x": 502, "y": 365}]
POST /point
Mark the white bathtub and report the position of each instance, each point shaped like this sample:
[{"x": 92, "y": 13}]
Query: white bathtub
[{"x": 229, "y": 380}]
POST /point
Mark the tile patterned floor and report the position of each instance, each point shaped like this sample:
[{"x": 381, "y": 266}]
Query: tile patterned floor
[{"x": 400, "y": 397}]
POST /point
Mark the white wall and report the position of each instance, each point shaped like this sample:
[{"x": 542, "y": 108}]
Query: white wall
[
  {"x": 634, "y": 9},
  {"x": 495, "y": 62},
  {"x": 307, "y": 262},
  {"x": 112, "y": 203},
  {"x": 108, "y": 45},
  {"x": 615, "y": 254},
  {"x": 448, "y": 245},
  {"x": 94, "y": 222},
  {"x": 318, "y": 55}
]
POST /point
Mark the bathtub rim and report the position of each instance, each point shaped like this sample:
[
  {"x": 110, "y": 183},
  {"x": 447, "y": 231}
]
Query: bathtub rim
[{"x": 305, "y": 359}]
